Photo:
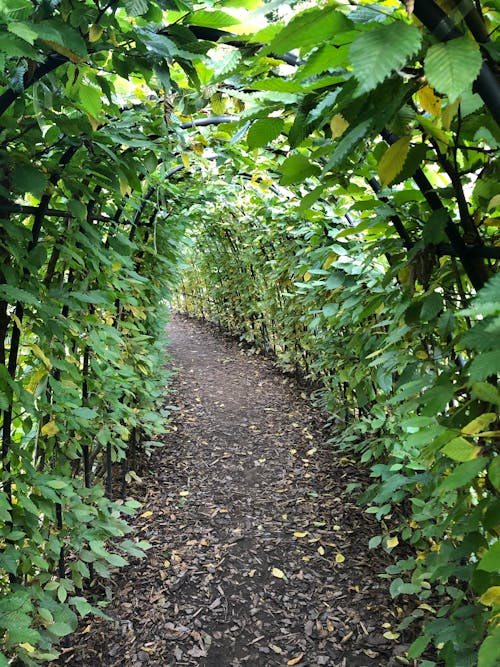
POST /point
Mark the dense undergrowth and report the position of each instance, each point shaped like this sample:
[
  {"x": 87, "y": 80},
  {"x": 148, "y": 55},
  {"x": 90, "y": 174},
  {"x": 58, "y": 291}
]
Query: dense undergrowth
[{"x": 335, "y": 166}]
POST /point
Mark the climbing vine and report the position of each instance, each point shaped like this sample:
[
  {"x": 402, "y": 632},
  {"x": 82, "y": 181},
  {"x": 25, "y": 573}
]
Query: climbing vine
[{"x": 328, "y": 173}]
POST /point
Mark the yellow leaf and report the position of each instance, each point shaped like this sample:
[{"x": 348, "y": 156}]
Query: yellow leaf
[
  {"x": 125, "y": 188},
  {"x": 50, "y": 428},
  {"x": 328, "y": 262},
  {"x": 321, "y": 551},
  {"x": 183, "y": 494},
  {"x": 299, "y": 534},
  {"x": 494, "y": 202},
  {"x": 38, "y": 352},
  {"x": 391, "y": 635},
  {"x": 429, "y": 101},
  {"x": 86, "y": 629},
  {"x": 64, "y": 51},
  {"x": 296, "y": 660},
  {"x": 146, "y": 514},
  {"x": 218, "y": 104},
  {"x": 93, "y": 121},
  {"x": 27, "y": 647},
  {"x": 251, "y": 573},
  {"x": 420, "y": 354},
  {"x": 166, "y": 563},
  {"x": 312, "y": 451},
  {"x": 307, "y": 276},
  {"x": 279, "y": 574},
  {"x": 479, "y": 423},
  {"x": 339, "y": 558},
  {"x": 392, "y": 542},
  {"x": 392, "y": 161},
  {"x": 185, "y": 160},
  {"x": 95, "y": 32},
  {"x": 36, "y": 379},
  {"x": 491, "y": 597},
  {"x": 198, "y": 147},
  {"x": 14, "y": 317},
  {"x": 448, "y": 113},
  {"x": 460, "y": 449},
  {"x": 116, "y": 266},
  {"x": 492, "y": 222},
  {"x": 338, "y": 125}
]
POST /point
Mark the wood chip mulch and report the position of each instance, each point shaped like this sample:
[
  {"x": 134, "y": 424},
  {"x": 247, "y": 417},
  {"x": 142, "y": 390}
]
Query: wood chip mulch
[{"x": 259, "y": 556}]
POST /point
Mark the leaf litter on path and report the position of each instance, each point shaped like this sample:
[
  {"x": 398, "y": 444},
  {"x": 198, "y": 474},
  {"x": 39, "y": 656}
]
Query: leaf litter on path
[{"x": 259, "y": 556}]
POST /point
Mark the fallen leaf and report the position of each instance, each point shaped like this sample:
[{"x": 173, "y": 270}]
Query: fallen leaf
[
  {"x": 183, "y": 494},
  {"x": 146, "y": 514},
  {"x": 339, "y": 558},
  {"x": 296, "y": 660},
  {"x": 321, "y": 551},
  {"x": 392, "y": 542},
  {"x": 279, "y": 574},
  {"x": 391, "y": 635},
  {"x": 299, "y": 534},
  {"x": 275, "y": 649}
]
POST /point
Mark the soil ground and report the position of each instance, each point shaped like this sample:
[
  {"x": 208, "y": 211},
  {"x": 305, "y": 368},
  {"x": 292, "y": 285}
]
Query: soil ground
[{"x": 259, "y": 555}]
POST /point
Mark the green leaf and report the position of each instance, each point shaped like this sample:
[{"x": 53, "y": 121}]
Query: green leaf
[
  {"x": 29, "y": 179},
  {"x": 77, "y": 208},
  {"x": 312, "y": 27},
  {"x": 431, "y": 306},
  {"x": 486, "y": 300},
  {"x": 13, "y": 46},
  {"x": 324, "y": 58},
  {"x": 23, "y": 634},
  {"x": 452, "y": 67},
  {"x": 82, "y": 606},
  {"x": 418, "y": 647},
  {"x": 62, "y": 34},
  {"x": 263, "y": 131},
  {"x": 136, "y": 7},
  {"x": 23, "y": 30},
  {"x": 216, "y": 19},
  {"x": 494, "y": 472},
  {"x": 376, "y": 53},
  {"x": 462, "y": 475},
  {"x": 485, "y": 365},
  {"x": 347, "y": 143},
  {"x": 90, "y": 99},
  {"x": 296, "y": 168},
  {"x": 13, "y": 294},
  {"x": 488, "y": 652},
  {"x": 85, "y": 413},
  {"x": 490, "y": 562},
  {"x": 60, "y": 629},
  {"x": 57, "y": 484},
  {"x": 484, "y": 391}
]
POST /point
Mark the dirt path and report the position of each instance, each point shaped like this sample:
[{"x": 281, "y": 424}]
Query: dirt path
[{"x": 259, "y": 556}]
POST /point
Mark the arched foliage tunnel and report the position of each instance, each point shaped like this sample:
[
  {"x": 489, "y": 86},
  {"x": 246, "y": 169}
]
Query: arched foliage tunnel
[{"x": 319, "y": 179}]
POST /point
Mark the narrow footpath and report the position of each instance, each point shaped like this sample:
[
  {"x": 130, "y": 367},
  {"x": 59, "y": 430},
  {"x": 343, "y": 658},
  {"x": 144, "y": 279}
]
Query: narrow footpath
[{"x": 259, "y": 556}]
